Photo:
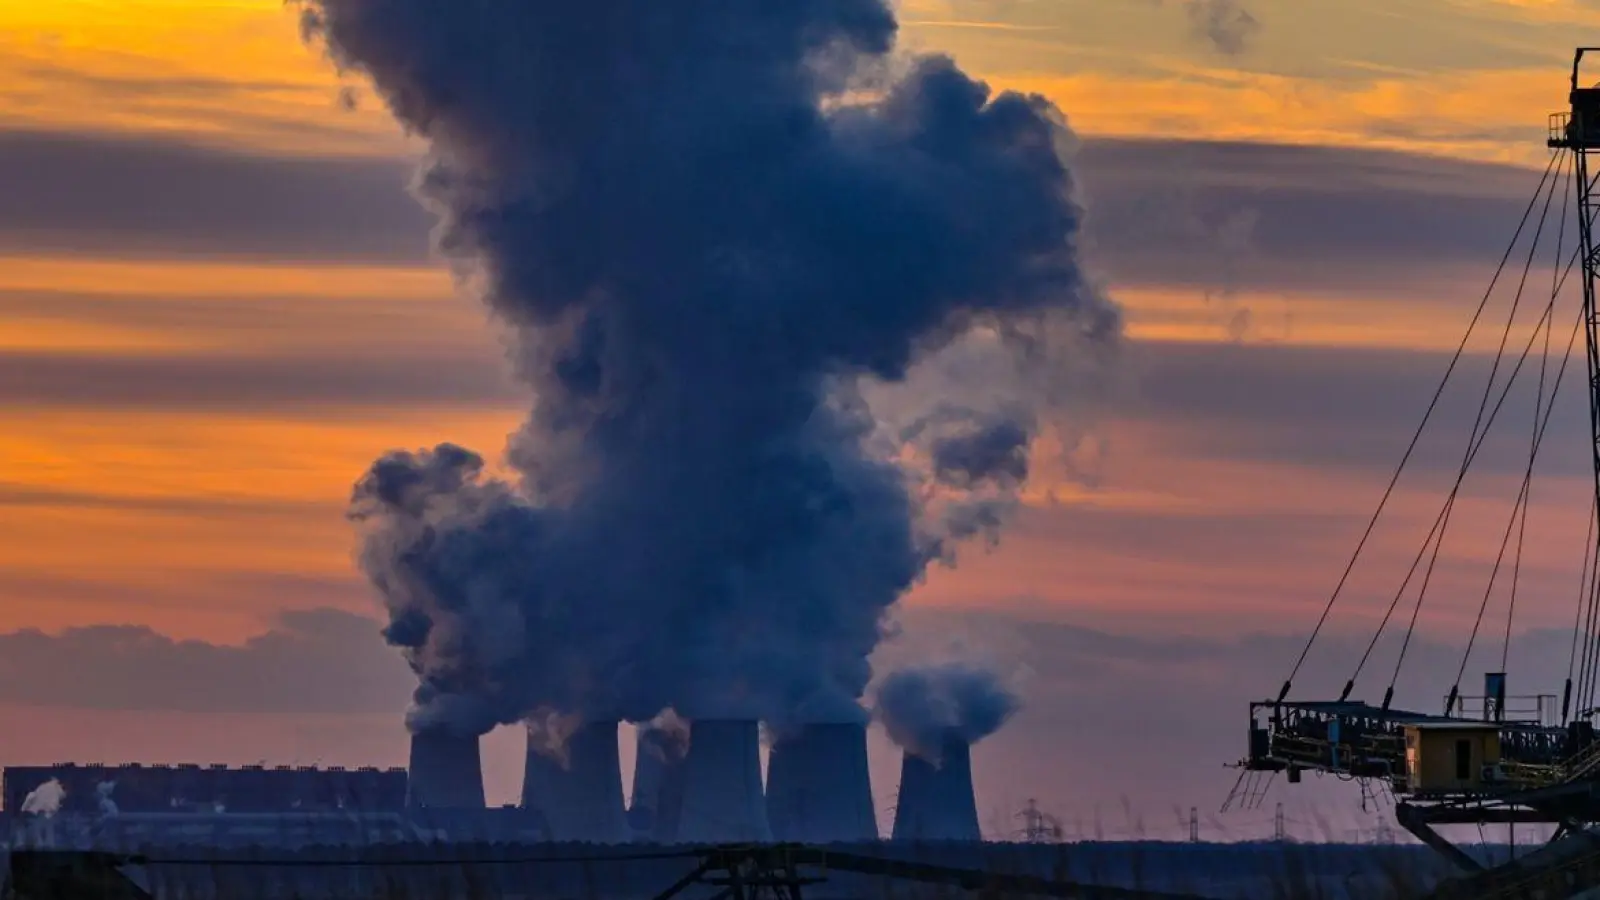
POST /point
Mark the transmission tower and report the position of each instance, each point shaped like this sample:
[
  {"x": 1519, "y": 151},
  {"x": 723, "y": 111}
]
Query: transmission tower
[{"x": 1039, "y": 827}]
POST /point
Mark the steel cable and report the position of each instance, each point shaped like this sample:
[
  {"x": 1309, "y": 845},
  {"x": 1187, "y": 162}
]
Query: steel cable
[{"x": 1416, "y": 437}]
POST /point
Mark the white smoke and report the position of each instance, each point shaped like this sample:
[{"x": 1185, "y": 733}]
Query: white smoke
[
  {"x": 45, "y": 800},
  {"x": 108, "y": 807},
  {"x": 673, "y": 731},
  {"x": 924, "y": 707},
  {"x": 548, "y": 733}
]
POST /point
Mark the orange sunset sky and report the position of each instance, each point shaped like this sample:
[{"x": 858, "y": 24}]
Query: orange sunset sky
[{"x": 218, "y": 305}]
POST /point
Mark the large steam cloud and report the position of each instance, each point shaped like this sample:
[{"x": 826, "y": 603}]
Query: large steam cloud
[
  {"x": 924, "y": 708},
  {"x": 720, "y": 232}
]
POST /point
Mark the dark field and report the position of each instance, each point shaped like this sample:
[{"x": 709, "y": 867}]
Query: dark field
[{"x": 579, "y": 872}]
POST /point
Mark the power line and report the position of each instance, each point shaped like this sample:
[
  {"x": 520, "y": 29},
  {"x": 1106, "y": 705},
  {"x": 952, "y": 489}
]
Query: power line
[{"x": 412, "y": 862}]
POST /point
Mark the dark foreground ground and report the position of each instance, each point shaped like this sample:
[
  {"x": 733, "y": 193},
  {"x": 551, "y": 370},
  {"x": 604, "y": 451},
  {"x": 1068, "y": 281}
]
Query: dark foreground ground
[{"x": 587, "y": 872}]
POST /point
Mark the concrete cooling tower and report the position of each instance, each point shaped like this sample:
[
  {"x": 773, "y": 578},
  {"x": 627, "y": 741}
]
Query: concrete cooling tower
[
  {"x": 446, "y": 772},
  {"x": 578, "y": 796},
  {"x": 818, "y": 789},
  {"x": 721, "y": 785},
  {"x": 936, "y": 800},
  {"x": 657, "y": 796}
]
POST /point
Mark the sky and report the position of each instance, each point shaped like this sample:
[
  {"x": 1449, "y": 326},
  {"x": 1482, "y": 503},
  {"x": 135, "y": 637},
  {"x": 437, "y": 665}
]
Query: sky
[{"x": 218, "y": 304}]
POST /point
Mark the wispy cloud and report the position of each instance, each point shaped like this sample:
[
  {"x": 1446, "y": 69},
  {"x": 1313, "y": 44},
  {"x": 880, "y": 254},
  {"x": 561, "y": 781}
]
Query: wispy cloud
[
  {"x": 992, "y": 26},
  {"x": 1225, "y": 24},
  {"x": 315, "y": 661}
]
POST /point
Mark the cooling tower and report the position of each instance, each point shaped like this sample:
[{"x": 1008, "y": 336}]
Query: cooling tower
[
  {"x": 445, "y": 773},
  {"x": 657, "y": 786},
  {"x": 721, "y": 785},
  {"x": 818, "y": 789},
  {"x": 936, "y": 801},
  {"x": 580, "y": 795}
]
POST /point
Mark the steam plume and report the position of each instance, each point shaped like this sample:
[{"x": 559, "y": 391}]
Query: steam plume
[
  {"x": 924, "y": 708},
  {"x": 103, "y": 791},
  {"x": 715, "y": 229},
  {"x": 46, "y": 799}
]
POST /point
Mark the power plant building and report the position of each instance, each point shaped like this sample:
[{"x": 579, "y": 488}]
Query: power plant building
[
  {"x": 134, "y": 788},
  {"x": 289, "y": 830}
]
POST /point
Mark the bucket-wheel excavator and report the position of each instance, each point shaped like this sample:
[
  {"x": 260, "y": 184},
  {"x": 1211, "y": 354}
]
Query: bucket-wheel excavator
[{"x": 1491, "y": 757}]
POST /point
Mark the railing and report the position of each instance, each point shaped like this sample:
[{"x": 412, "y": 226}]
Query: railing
[
  {"x": 1560, "y": 130},
  {"x": 1531, "y": 709},
  {"x": 1584, "y": 763},
  {"x": 1529, "y": 775},
  {"x": 1366, "y": 743},
  {"x": 1372, "y": 755}
]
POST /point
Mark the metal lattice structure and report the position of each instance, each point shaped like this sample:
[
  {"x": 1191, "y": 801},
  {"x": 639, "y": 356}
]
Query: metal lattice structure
[{"x": 1578, "y": 132}]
